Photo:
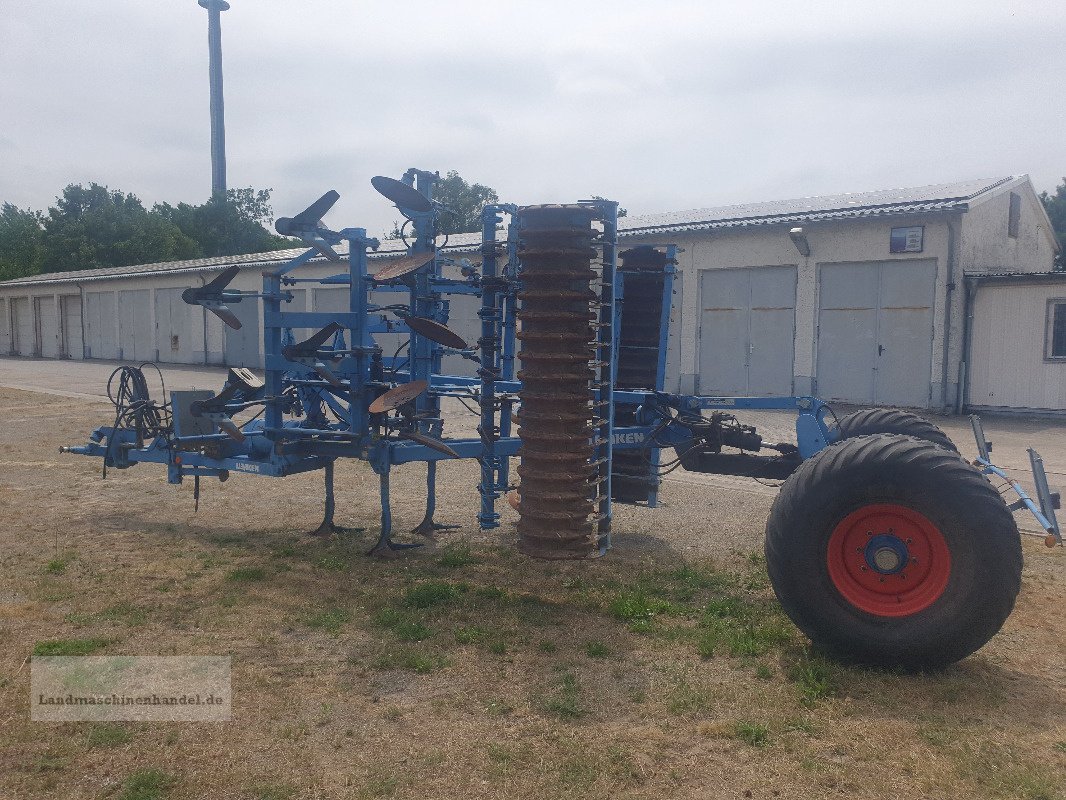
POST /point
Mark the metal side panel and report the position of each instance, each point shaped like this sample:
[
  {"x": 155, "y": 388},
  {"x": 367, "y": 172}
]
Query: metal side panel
[
  {"x": 847, "y": 331},
  {"x": 771, "y": 331},
  {"x": 5, "y": 327},
  {"x": 22, "y": 326},
  {"x": 243, "y": 346},
  {"x": 724, "y": 311},
  {"x": 135, "y": 339},
  {"x": 71, "y": 344},
  {"x": 100, "y": 325},
  {"x": 905, "y": 333}
]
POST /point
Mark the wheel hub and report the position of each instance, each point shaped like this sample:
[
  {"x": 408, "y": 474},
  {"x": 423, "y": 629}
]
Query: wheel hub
[
  {"x": 888, "y": 560},
  {"x": 887, "y": 554}
]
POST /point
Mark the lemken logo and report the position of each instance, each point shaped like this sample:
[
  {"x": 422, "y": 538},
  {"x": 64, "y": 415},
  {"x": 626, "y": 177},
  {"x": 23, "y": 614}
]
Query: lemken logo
[
  {"x": 628, "y": 438},
  {"x": 241, "y": 466}
]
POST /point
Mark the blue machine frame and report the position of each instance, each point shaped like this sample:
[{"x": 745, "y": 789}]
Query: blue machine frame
[{"x": 303, "y": 386}]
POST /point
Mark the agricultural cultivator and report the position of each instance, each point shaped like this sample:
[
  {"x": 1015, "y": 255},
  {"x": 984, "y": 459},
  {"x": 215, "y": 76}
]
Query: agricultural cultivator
[{"x": 884, "y": 545}]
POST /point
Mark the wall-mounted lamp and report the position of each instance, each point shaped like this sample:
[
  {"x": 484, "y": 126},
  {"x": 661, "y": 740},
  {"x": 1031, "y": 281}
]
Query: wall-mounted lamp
[{"x": 799, "y": 238}]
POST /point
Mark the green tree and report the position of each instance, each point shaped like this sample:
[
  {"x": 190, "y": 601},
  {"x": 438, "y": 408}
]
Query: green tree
[
  {"x": 94, "y": 226},
  {"x": 228, "y": 226},
  {"x": 21, "y": 242},
  {"x": 463, "y": 203},
  {"x": 1056, "y": 209}
]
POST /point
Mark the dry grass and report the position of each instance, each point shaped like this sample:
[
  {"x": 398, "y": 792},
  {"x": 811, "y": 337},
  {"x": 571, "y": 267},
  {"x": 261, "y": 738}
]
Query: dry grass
[{"x": 466, "y": 669}]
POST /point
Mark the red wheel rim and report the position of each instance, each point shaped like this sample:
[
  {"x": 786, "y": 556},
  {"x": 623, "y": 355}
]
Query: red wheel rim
[{"x": 888, "y": 560}]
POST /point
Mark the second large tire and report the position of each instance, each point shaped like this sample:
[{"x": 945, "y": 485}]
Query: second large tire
[
  {"x": 870, "y": 421},
  {"x": 848, "y": 518}
]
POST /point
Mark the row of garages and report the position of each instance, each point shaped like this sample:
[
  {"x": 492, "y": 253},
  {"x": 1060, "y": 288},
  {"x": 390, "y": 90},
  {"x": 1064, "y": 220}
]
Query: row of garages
[{"x": 858, "y": 298}]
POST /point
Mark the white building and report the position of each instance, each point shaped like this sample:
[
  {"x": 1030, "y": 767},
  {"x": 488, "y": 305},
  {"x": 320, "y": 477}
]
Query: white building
[{"x": 865, "y": 304}]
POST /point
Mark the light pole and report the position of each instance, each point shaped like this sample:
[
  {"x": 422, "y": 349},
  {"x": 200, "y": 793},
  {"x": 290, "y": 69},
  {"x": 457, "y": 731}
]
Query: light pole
[{"x": 218, "y": 114}]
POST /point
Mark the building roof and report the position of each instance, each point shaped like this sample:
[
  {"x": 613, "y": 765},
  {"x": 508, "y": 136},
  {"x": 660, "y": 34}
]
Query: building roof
[
  {"x": 938, "y": 197},
  {"x": 918, "y": 200}
]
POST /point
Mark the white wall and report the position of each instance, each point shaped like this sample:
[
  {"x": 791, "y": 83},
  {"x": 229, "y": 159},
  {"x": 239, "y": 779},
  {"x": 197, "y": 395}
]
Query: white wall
[
  {"x": 830, "y": 242},
  {"x": 985, "y": 244},
  {"x": 1008, "y": 369}
]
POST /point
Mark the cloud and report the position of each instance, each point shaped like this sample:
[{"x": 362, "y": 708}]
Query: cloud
[{"x": 661, "y": 105}]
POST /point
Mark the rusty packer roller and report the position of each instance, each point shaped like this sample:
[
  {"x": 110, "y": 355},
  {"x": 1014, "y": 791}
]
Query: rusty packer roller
[{"x": 559, "y": 479}]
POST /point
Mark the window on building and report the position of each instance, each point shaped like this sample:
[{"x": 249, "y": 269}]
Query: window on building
[
  {"x": 1056, "y": 329},
  {"x": 1015, "y": 215}
]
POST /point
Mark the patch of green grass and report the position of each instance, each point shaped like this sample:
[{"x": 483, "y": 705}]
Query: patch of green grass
[
  {"x": 433, "y": 593},
  {"x": 469, "y": 634},
  {"x": 815, "y": 677},
  {"x": 400, "y": 623},
  {"x": 497, "y": 647},
  {"x": 69, "y": 647},
  {"x": 802, "y": 725},
  {"x": 57, "y": 566},
  {"x": 147, "y": 784},
  {"x": 489, "y": 593},
  {"x": 247, "y": 574},
  {"x": 329, "y": 620},
  {"x": 763, "y": 672},
  {"x": 684, "y": 698},
  {"x": 564, "y": 701},
  {"x": 49, "y": 763},
  {"x": 595, "y": 649},
  {"x": 547, "y": 647},
  {"x": 126, "y": 613},
  {"x": 107, "y": 734},
  {"x": 411, "y": 632},
  {"x": 454, "y": 556},
  {"x": 1059, "y": 746},
  {"x": 414, "y": 660},
  {"x": 636, "y": 605},
  {"x": 755, "y": 734},
  {"x": 332, "y": 562}
]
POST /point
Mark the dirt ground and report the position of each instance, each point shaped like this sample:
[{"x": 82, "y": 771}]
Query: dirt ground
[{"x": 664, "y": 669}]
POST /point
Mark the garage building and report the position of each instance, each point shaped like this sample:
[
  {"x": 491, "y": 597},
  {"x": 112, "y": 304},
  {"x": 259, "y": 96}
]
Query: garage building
[{"x": 854, "y": 297}]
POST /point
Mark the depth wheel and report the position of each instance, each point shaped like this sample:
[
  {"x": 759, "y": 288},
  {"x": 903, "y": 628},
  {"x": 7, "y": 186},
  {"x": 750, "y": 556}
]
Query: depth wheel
[
  {"x": 869, "y": 421},
  {"x": 890, "y": 551}
]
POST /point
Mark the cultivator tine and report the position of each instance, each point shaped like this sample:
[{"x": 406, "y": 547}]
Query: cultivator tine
[
  {"x": 405, "y": 197},
  {"x": 398, "y": 396},
  {"x": 428, "y": 441},
  {"x": 224, "y": 314},
  {"x": 211, "y": 296},
  {"x": 436, "y": 332},
  {"x": 309, "y": 218},
  {"x": 222, "y": 281},
  {"x": 311, "y": 345}
]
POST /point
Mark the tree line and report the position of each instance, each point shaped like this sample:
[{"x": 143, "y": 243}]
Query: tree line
[{"x": 94, "y": 226}]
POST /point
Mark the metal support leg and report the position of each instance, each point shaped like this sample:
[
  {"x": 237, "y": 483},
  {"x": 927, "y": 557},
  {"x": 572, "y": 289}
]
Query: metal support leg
[
  {"x": 328, "y": 528},
  {"x": 427, "y": 527},
  {"x": 385, "y": 547}
]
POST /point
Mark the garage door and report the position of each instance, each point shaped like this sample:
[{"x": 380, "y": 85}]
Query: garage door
[
  {"x": 5, "y": 328},
  {"x": 242, "y": 346},
  {"x": 22, "y": 326},
  {"x": 100, "y": 325},
  {"x": 179, "y": 328},
  {"x": 70, "y": 331},
  {"x": 875, "y": 332},
  {"x": 747, "y": 331},
  {"x": 135, "y": 339}
]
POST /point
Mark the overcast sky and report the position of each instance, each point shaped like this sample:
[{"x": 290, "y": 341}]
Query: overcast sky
[{"x": 660, "y": 105}]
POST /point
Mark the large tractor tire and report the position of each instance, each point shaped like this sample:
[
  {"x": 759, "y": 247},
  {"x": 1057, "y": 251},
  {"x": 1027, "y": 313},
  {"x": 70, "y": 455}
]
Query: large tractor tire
[
  {"x": 890, "y": 420},
  {"x": 890, "y": 551}
]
